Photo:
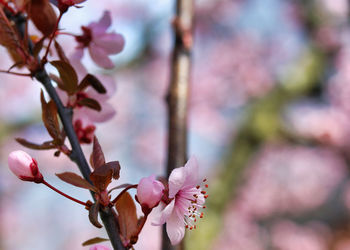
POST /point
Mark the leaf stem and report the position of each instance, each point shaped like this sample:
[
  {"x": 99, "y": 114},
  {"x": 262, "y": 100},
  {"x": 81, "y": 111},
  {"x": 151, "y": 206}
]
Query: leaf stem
[{"x": 64, "y": 194}]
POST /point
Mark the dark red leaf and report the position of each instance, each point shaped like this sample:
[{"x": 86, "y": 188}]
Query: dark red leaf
[
  {"x": 90, "y": 103},
  {"x": 91, "y": 80},
  {"x": 38, "y": 46},
  {"x": 61, "y": 53},
  {"x": 93, "y": 215},
  {"x": 28, "y": 144},
  {"x": 68, "y": 76},
  {"x": 115, "y": 166},
  {"x": 101, "y": 177},
  {"x": 42, "y": 15},
  {"x": 94, "y": 241},
  {"x": 128, "y": 221},
  {"x": 76, "y": 180},
  {"x": 97, "y": 157},
  {"x": 8, "y": 37},
  {"x": 49, "y": 116}
]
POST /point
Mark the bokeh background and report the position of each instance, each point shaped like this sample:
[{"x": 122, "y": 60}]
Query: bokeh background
[{"x": 269, "y": 124}]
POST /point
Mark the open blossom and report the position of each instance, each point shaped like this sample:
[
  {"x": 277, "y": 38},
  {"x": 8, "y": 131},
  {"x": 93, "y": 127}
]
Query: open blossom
[
  {"x": 149, "y": 192},
  {"x": 99, "y": 247},
  {"x": 186, "y": 199},
  {"x": 100, "y": 43},
  {"x": 24, "y": 166}
]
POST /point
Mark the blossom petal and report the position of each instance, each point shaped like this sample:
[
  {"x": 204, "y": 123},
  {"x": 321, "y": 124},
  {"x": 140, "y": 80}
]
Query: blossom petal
[
  {"x": 112, "y": 43},
  {"x": 105, "y": 114},
  {"x": 176, "y": 181},
  {"x": 102, "y": 25},
  {"x": 100, "y": 56},
  {"x": 191, "y": 172},
  {"x": 165, "y": 214},
  {"x": 175, "y": 228},
  {"x": 75, "y": 60}
]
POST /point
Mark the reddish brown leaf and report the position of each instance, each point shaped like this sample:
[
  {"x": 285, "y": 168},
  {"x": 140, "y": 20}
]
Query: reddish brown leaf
[
  {"x": 60, "y": 52},
  {"x": 42, "y": 15},
  {"x": 28, "y": 144},
  {"x": 115, "y": 166},
  {"x": 68, "y": 76},
  {"x": 128, "y": 221},
  {"x": 91, "y": 80},
  {"x": 98, "y": 158},
  {"x": 101, "y": 177},
  {"x": 76, "y": 180},
  {"x": 8, "y": 36},
  {"x": 90, "y": 103},
  {"x": 93, "y": 215},
  {"x": 94, "y": 241},
  {"x": 49, "y": 116},
  {"x": 38, "y": 46}
]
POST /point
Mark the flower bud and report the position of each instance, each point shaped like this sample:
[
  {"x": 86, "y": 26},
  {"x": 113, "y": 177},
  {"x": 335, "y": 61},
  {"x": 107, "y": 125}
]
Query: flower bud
[
  {"x": 99, "y": 247},
  {"x": 24, "y": 166},
  {"x": 149, "y": 192}
]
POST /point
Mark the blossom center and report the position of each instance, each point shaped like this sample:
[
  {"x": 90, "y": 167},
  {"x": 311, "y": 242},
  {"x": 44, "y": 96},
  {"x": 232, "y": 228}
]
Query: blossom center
[{"x": 85, "y": 38}]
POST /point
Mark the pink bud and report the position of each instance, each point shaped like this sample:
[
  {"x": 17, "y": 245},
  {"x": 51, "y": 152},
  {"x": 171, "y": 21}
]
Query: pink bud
[
  {"x": 149, "y": 192},
  {"x": 24, "y": 166},
  {"x": 99, "y": 247}
]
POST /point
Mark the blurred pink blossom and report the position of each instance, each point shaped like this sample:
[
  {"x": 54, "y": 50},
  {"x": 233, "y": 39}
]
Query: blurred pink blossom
[
  {"x": 327, "y": 125},
  {"x": 186, "y": 198},
  {"x": 287, "y": 235},
  {"x": 99, "y": 247},
  {"x": 100, "y": 43},
  {"x": 287, "y": 179},
  {"x": 24, "y": 166}
]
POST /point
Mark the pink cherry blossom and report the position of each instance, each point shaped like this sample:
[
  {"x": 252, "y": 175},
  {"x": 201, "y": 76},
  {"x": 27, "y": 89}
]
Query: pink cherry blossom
[
  {"x": 149, "y": 192},
  {"x": 24, "y": 166},
  {"x": 186, "y": 198},
  {"x": 100, "y": 43},
  {"x": 99, "y": 247}
]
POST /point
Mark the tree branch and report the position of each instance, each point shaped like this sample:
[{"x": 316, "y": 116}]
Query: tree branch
[
  {"x": 108, "y": 215},
  {"x": 177, "y": 97}
]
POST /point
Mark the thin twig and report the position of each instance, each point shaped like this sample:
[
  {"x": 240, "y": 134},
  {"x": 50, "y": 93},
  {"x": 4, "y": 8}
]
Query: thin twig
[{"x": 177, "y": 98}]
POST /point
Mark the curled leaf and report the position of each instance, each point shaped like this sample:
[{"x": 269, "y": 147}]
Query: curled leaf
[
  {"x": 91, "y": 80},
  {"x": 93, "y": 215}
]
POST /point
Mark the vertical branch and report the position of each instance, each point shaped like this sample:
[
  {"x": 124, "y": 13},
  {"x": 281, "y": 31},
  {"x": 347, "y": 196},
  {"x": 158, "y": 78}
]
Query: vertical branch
[{"x": 177, "y": 96}]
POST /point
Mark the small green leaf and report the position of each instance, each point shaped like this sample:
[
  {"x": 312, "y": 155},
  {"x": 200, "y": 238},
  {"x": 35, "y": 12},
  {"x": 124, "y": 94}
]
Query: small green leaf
[
  {"x": 94, "y": 241},
  {"x": 68, "y": 76}
]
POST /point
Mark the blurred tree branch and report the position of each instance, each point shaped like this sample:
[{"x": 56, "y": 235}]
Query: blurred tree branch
[{"x": 178, "y": 92}]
